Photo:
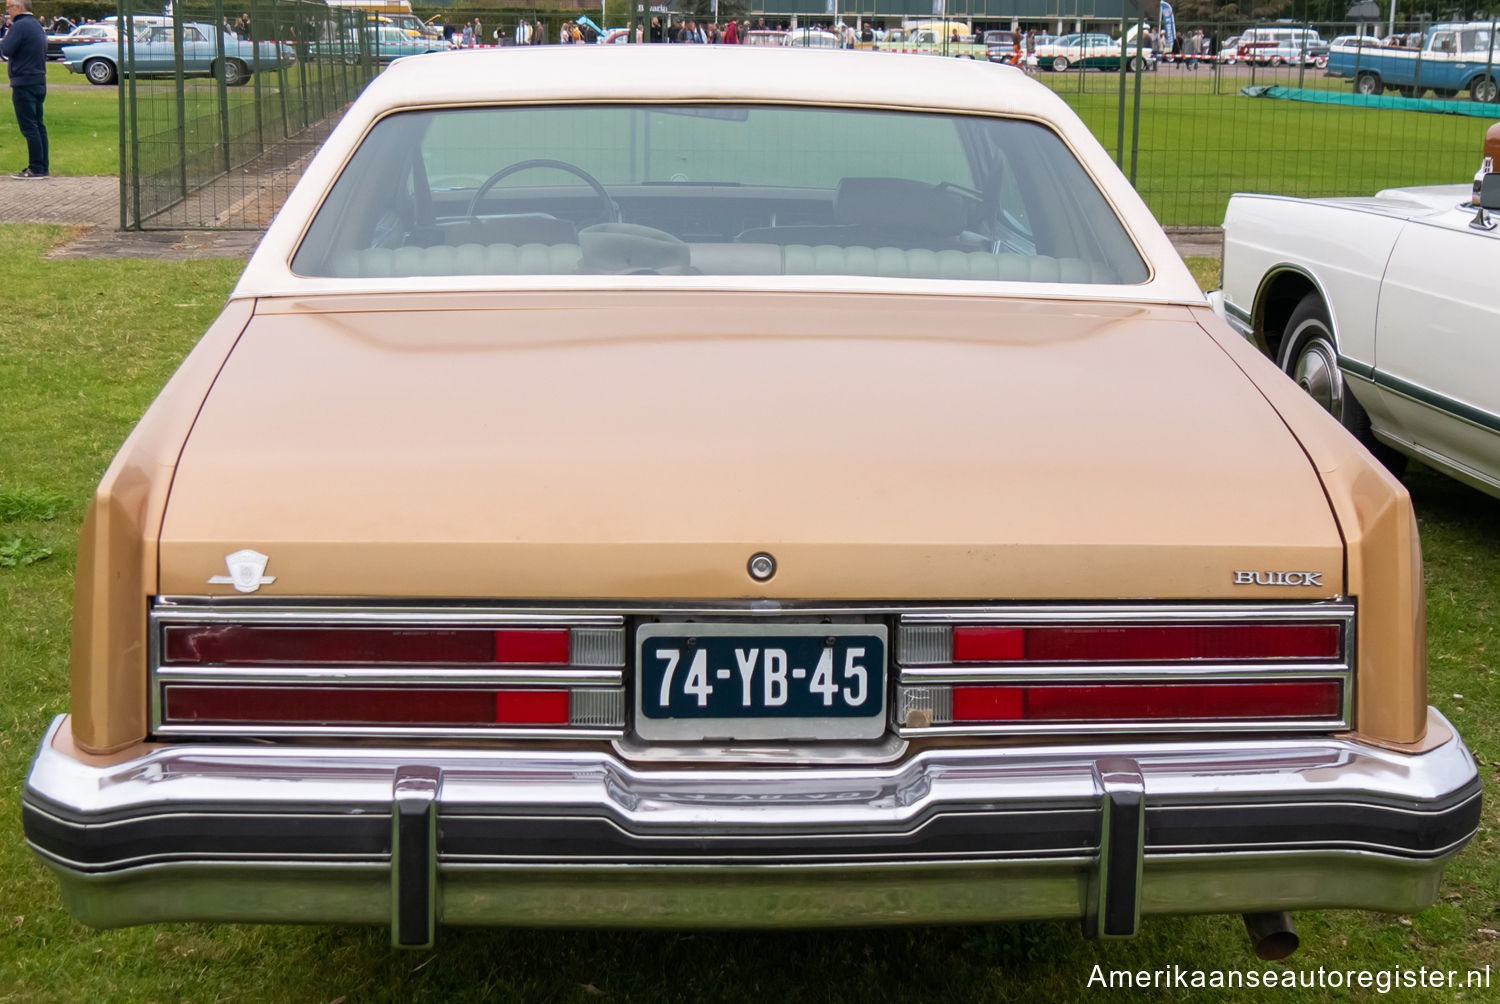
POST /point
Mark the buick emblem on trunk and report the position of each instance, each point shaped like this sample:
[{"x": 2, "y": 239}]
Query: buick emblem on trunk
[
  {"x": 246, "y": 571},
  {"x": 1278, "y": 578}
]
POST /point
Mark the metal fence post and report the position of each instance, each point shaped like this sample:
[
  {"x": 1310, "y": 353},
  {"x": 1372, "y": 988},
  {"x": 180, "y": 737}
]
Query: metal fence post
[
  {"x": 127, "y": 72},
  {"x": 180, "y": 79},
  {"x": 1120, "y": 125},
  {"x": 322, "y": 69},
  {"x": 260, "y": 132},
  {"x": 1135, "y": 124},
  {"x": 125, "y": 137},
  {"x": 222, "y": 83},
  {"x": 1302, "y": 54}
]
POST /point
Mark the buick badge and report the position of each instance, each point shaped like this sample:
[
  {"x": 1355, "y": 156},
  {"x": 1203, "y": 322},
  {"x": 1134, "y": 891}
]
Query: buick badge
[{"x": 246, "y": 571}]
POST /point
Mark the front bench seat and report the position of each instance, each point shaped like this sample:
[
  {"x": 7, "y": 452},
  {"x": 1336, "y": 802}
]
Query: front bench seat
[{"x": 879, "y": 212}]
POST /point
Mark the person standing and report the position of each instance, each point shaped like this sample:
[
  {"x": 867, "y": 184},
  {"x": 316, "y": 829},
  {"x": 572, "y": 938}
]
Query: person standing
[{"x": 25, "y": 49}]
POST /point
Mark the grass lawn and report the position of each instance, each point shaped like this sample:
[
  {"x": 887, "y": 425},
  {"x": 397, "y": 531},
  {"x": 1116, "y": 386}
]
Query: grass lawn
[
  {"x": 83, "y": 121},
  {"x": 85, "y": 348},
  {"x": 1200, "y": 140},
  {"x": 83, "y": 127}
]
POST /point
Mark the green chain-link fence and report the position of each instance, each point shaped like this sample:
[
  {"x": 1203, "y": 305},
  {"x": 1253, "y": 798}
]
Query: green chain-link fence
[
  {"x": 218, "y": 121},
  {"x": 221, "y": 104}
]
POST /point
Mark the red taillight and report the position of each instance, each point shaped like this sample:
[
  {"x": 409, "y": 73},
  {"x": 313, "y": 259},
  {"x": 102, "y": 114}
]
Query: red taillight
[
  {"x": 988, "y": 644},
  {"x": 327, "y": 706},
  {"x": 1149, "y": 702},
  {"x": 531, "y": 707},
  {"x": 519, "y": 647},
  {"x": 989, "y": 704},
  {"x": 264, "y": 645},
  {"x": 459, "y": 671},
  {"x": 244, "y": 644},
  {"x": 1147, "y": 643}
]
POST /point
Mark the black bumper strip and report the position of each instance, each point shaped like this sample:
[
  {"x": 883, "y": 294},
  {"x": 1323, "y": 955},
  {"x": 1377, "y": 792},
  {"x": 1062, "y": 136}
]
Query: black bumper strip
[
  {"x": 365, "y": 833},
  {"x": 1416, "y": 833}
]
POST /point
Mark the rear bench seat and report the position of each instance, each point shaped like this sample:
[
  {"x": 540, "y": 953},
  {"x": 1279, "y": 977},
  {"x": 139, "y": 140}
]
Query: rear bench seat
[{"x": 728, "y": 259}]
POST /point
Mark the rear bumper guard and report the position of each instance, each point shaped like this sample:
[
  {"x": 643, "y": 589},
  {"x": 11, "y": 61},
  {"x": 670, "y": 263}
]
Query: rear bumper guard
[{"x": 1105, "y": 832}]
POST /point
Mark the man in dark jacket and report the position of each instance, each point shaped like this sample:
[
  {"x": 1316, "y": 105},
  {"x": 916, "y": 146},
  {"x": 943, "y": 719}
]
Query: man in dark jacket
[{"x": 25, "y": 50}]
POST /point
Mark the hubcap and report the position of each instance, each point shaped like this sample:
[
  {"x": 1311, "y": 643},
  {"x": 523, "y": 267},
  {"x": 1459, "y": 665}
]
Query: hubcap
[{"x": 1317, "y": 372}]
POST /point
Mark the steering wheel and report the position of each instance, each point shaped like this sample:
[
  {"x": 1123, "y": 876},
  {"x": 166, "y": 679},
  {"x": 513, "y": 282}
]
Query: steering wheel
[{"x": 611, "y": 210}]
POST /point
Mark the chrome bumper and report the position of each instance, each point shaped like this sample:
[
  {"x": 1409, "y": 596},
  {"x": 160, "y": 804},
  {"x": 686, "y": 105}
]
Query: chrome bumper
[{"x": 415, "y": 837}]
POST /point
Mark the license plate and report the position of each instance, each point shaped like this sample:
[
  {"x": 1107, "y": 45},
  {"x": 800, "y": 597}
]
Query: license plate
[{"x": 760, "y": 681}]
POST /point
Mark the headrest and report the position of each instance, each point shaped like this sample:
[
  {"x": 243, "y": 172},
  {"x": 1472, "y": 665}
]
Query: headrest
[
  {"x": 623, "y": 248},
  {"x": 898, "y": 203}
]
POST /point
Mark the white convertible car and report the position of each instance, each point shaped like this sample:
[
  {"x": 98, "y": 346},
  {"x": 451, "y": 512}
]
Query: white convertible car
[{"x": 1382, "y": 309}]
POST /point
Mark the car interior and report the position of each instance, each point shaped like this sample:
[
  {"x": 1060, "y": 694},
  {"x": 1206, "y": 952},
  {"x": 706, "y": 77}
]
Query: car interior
[{"x": 1006, "y": 201}]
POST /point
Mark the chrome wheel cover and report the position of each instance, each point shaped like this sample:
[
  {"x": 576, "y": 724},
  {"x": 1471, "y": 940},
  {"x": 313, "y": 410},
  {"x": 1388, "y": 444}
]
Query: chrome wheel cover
[{"x": 1316, "y": 370}]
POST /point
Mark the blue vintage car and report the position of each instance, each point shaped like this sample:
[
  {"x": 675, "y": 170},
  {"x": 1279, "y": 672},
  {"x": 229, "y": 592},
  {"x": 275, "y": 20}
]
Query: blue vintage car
[
  {"x": 376, "y": 43},
  {"x": 155, "y": 55}
]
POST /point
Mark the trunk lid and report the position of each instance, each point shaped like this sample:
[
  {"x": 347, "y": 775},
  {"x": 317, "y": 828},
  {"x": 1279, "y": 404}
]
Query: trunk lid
[{"x": 645, "y": 445}]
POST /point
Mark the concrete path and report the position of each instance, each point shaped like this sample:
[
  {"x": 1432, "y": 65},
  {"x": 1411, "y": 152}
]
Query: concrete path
[
  {"x": 94, "y": 205},
  {"x": 94, "y": 201}
]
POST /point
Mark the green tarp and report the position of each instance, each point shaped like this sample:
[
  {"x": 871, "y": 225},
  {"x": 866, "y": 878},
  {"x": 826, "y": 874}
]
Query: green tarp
[{"x": 1474, "y": 109}]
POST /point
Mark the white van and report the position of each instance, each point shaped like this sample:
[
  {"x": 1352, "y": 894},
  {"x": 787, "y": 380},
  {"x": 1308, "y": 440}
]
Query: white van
[{"x": 1275, "y": 45}]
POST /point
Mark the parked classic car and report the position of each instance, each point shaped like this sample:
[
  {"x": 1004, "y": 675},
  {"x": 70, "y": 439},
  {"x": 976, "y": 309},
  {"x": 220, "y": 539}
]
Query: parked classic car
[
  {"x": 760, "y": 487},
  {"x": 1087, "y": 52},
  {"x": 1381, "y": 309},
  {"x": 84, "y": 34},
  {"x": 1449, "y": 58},
  {"x": 1281, "y": 45},
  {"x": 155, "y": 54},
  {"x": 812, "y": 38},
  {"x": 375, "y": 44}
]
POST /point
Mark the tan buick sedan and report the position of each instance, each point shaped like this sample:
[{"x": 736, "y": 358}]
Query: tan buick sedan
[{"x": 737, "y": 487}]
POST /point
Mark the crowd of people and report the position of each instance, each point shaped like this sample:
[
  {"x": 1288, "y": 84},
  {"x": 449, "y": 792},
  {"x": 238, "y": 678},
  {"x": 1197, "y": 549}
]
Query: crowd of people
[
  {"x": 1186, "y": 50},
  {"x": 688, "y": 31}
]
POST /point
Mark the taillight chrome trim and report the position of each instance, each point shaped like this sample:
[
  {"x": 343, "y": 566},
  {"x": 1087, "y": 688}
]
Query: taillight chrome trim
[
  {"x": 594, "y": 679},
  {"x": 603, "y": 683},
  {"x": 920, "y": 676}
]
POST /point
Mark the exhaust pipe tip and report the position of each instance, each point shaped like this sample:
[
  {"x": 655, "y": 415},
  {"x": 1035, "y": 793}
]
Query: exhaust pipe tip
[{"x": 1273, "y": 936}]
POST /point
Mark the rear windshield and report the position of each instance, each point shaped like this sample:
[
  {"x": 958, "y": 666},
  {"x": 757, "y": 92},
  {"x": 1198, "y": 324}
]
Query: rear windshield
[{"x": 716, "y": 190}]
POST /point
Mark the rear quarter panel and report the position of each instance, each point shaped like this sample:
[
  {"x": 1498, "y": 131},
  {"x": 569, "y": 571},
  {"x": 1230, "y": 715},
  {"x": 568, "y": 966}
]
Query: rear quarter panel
[
  {"x": 1383, "y": 556},
  {"x": 117, "y": 550}
]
